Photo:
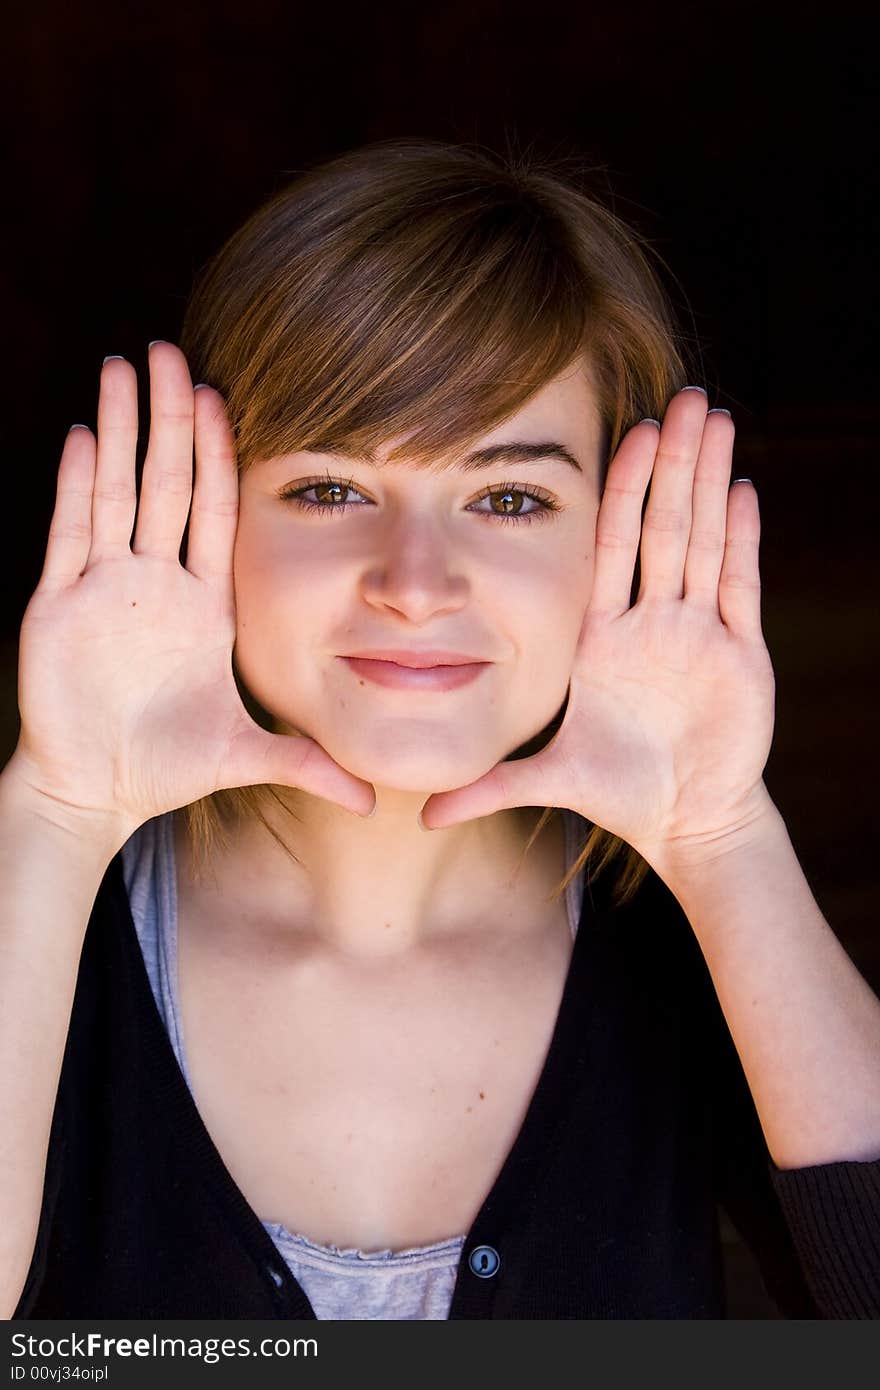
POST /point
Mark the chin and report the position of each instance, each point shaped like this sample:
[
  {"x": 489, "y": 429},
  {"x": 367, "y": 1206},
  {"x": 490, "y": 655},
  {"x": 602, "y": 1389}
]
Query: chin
[
  {"x": 405, "y": 756},
  {"x": 427, "y": 764},
  {"x": 421, "y": 772}
]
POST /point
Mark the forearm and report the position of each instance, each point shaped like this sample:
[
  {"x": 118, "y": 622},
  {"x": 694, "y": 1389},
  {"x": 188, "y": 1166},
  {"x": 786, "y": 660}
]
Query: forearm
[
  {"x": 49, "y": 877},
  {"x": 805, "y": 1023}
]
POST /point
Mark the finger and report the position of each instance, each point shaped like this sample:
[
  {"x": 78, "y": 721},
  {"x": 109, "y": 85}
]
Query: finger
[
  {"x": 705, "y": 552},
  {"x": 214, "y": 515},
  {"x": 114, "y": 499},
  {"x": 70, "y": 531},
  {"x": 257, "y": 757},
  {"x": 739, "y": 588},
  {"x": 667, "y": 523},
  {"x": 522, "y": 782},
  {"x": 166, "y": 486},
  {"x": 619, "y": 521}
]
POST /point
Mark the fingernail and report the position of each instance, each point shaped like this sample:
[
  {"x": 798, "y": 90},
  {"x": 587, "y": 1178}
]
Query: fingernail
[
  {"x": 155, "y": 341},
  {"x": 78, "y": 427},
  {"x": 742, "y": 480},
  {"x": 370, "y": 814},
  {"x": 201, "y": 386},
  {"x": 114, "y": 357},
  {"x": 696, "y": 388},
  {"x": 719, "y": 410},
  {"x": 422, "y": 825},
  {"x": 649, "y": 420}
]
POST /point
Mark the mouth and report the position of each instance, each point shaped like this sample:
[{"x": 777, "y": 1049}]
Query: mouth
[{"x": 430, "y": 675}]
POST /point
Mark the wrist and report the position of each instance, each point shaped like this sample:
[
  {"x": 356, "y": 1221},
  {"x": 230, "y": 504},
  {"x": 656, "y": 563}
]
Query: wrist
[
  {"x": 687, "y": 855},
  {"x": 23, "y": 794}
]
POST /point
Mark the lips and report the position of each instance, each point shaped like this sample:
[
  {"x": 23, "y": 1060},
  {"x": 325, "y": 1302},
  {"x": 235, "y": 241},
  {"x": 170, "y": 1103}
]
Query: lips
[{"x": 395, "y": 675}]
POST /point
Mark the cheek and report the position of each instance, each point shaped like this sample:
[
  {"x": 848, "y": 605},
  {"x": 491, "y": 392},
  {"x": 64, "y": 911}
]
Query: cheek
[
  {"x": 277, "y": 593},
  {"x": 270, "y": 575},
  {"x": 543, "y": 611},
  {"x": 553, "y": 591}
]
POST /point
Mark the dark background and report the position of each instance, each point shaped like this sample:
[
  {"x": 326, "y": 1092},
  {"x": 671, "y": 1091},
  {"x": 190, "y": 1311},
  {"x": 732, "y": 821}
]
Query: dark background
[{"x": 737, "y": 139}]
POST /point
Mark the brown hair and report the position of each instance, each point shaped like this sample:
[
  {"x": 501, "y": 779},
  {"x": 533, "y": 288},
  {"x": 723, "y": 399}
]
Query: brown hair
[{"x": 429, "y": 289}]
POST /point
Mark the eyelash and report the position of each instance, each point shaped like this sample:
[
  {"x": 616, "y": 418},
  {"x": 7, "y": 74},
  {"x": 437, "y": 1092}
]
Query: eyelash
[{"x": 547, "y": 503}]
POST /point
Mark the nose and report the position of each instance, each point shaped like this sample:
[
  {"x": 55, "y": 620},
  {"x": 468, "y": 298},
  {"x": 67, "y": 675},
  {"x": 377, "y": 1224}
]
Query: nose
[{"x": 416, "y": 571}]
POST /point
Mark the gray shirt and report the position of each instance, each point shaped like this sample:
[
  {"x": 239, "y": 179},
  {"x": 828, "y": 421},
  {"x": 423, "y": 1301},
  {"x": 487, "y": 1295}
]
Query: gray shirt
[{"x": 340, "y": 1283}]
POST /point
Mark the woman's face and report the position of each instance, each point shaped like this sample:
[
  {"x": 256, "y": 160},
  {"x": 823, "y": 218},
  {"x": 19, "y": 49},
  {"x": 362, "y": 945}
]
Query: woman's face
[{"x": 456, "y": 560}]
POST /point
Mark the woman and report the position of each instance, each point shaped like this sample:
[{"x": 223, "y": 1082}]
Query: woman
[{"x": 328, "y": 1056}]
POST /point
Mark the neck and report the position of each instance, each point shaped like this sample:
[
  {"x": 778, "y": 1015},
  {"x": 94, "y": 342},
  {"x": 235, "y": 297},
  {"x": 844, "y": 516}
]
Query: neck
[{"x": 379, "y": 887}]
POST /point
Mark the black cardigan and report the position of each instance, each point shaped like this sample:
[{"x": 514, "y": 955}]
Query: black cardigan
[{"x": 605, "y": 1207}]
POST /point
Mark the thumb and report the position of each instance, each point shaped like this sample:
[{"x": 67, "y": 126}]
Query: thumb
[
  {"x": 256, "y": 756},
  {"x": 523, "y": 782}
]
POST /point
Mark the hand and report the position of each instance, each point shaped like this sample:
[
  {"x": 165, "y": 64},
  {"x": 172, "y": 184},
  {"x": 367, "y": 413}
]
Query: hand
[
  {"x": 128, "y": 700},
  {"x": 671, "y": 703}
]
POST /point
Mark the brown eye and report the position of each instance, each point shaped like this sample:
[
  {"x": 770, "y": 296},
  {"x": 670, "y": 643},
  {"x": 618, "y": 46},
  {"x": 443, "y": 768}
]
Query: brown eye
[
  {"x": 330, "y": 494},
  {"x": 510, "y": 500}
]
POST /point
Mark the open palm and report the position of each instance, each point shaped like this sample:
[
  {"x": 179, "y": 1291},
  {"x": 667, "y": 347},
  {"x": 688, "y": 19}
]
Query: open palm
[
  {"x": 128, "y": 697},
  {"x": 670, "y": 711}
]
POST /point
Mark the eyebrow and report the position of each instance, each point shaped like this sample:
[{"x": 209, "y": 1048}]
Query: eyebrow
[
  {"x": 517, "y": 451},
  {"x": 511, "y": 451}
]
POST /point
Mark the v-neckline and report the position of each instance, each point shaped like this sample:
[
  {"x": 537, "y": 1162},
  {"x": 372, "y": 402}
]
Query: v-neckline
[{"x": 557, "y": 1083}]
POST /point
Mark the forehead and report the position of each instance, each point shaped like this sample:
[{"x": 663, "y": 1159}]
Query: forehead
[
  {"x": 560, "y": 421},
  {"x": 565, "y": 409}
]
